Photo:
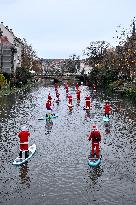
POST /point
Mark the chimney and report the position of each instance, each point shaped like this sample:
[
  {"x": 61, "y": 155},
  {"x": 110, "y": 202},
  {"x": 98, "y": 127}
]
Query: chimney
[
  {"x": 11, "y": 30},
  {"x": 6, "y": 27},
  {"x": 2, "y": 22}
]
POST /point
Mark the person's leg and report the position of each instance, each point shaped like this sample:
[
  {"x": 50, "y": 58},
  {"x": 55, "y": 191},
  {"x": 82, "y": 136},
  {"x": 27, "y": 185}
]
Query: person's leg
[
  {"x": 93, "y": 146},
  {"x": 97, "y": 150},
  {"x": 20, "y": 154},
  {"x": 26, "y": 153}
]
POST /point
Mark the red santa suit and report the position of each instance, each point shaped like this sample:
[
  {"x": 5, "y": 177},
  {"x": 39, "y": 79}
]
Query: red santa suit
[
  {"x": 70, "y": 99},
  {"x": 78, "y": 94},
  {"x": 107, "y": 109},
  {"x": 88, "y": 104},
  {"x": 49, "y": 98},
  {"x": 96, "y": 138},
  {"x": 66, "y": 89},
  {"x": 24, "y": 135},
  {"x": 77, "y": 86},
  {"x": 48, "y": 105}
]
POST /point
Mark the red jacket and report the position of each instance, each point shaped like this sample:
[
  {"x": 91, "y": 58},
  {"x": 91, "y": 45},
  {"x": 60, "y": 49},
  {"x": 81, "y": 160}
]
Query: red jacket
[
  {"x": 87, "y": 98},
  {"x": 48, "y": 106},
  {"x": 70, "y": 99},
  {"x": 107, "y": 108},
  {"x": 49, "y": 97},
  {"x": 95, "y": 136},
  {"x": 78, "y": 94},
  {"x": 77, "y": 86},
  {"x": 23, "y": 135}
]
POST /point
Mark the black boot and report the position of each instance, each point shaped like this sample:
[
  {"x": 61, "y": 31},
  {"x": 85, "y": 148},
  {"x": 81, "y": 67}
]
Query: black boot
[
  {"x": 26, "y": 154},
  {"x": 20, "y": 154}
]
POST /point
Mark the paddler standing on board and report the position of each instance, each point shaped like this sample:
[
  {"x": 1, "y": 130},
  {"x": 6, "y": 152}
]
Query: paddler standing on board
[
  {"x": 24, "y": 135},
  {"x": 77, "y": 86},
  {"x": 78, "y": 95},
  {"x": 48, "y": 105},
  {"x": 70, "y": 100},
  {"x": 107, "y": 109},
  {"x": 66, "y": 87},
  {"x": 49, "y": 98},
  {"x": 88, "y": 103},
  {"x": 95, "y": 136},
  {"x": 57, "y": 96}
]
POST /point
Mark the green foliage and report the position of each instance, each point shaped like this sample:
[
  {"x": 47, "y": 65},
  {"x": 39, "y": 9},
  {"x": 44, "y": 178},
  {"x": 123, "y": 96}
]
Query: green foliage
[
  {"x": 3, "y": 81},
  {"x": 22, "y": 75}
]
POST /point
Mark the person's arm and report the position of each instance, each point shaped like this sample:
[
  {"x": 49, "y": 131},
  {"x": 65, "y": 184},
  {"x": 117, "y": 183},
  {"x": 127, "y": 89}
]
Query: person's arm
[{"x": 89, "y": 136}]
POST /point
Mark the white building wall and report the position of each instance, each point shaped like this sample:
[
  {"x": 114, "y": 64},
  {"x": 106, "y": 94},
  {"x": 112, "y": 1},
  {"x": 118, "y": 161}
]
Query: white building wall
[{"x": 13, "y": 40}]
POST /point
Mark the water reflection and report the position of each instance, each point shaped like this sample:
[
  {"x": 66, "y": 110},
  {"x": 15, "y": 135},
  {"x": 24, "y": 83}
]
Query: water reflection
[
  {"x": 107, "y": 128},
  {"x": 23, "y": 174},
  {"x": 93, "y": 174},
  {"x": 48, "y": 125},
  {"x": 87, "y": 115}
]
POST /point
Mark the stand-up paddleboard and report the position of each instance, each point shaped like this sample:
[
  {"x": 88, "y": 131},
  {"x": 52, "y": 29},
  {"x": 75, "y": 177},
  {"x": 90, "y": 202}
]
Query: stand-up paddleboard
[
  {"x": 86, "y": 108},
  {"x": 52, "y": 116},
  {"x": 106, "y": 119},
  {"x": 57, "y": 101},
  {"x": 70, "y": 106},
  {"x": 93, "y": 161},
  {"x": 19, "y": 161}
]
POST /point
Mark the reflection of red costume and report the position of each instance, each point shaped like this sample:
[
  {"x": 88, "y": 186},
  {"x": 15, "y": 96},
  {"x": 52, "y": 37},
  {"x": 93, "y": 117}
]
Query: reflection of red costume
[
  {"x": 23, "y": 135},
  {"x": 96, "y": 138},
  {"x": 78, "y": 94},
  {"x": 70, "y": 99},
  {"x": 87, "y": 101},
  {"x": 107, "y": 109}
]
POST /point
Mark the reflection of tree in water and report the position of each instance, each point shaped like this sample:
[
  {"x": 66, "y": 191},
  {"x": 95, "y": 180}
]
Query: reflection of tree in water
[
  {"x": 70, "y": 110},
  {"x": 78, "y": 103},
  {"x": 49, "y": 125},
  {"x": 94, "y": 173},
  {"x": 107, "y": 128},
  {"x": 87, "y": 114},
  {"x": 23, "y": 174}
]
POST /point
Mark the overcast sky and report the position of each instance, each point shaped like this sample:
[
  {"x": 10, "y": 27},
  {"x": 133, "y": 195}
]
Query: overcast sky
[{"x": 59, "y": 28}]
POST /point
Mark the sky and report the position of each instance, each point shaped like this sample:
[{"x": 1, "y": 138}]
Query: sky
[{"x": 60, "y": 28}]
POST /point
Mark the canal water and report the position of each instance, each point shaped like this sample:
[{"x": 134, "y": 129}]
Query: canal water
[{"x": 58, "y": 173}]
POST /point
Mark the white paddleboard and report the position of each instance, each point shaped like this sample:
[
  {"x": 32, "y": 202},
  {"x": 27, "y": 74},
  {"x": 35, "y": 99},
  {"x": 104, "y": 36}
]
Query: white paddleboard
[
  {"x": 19, "y": 161},
  {"x": 69, "y": 105}
]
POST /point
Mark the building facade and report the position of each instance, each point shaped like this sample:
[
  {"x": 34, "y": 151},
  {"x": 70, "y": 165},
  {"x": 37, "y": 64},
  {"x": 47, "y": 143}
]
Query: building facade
[{"x": 10, "y": 50}]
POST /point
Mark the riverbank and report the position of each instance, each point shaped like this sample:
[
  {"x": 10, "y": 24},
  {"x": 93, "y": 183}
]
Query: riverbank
[
  {"x": 7, "y": 91},
  {"x": 126, "y": 89}
]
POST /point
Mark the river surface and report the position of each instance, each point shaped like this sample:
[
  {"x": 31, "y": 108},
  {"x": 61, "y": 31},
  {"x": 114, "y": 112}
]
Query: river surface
[{"x": 58, "y": 173}]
